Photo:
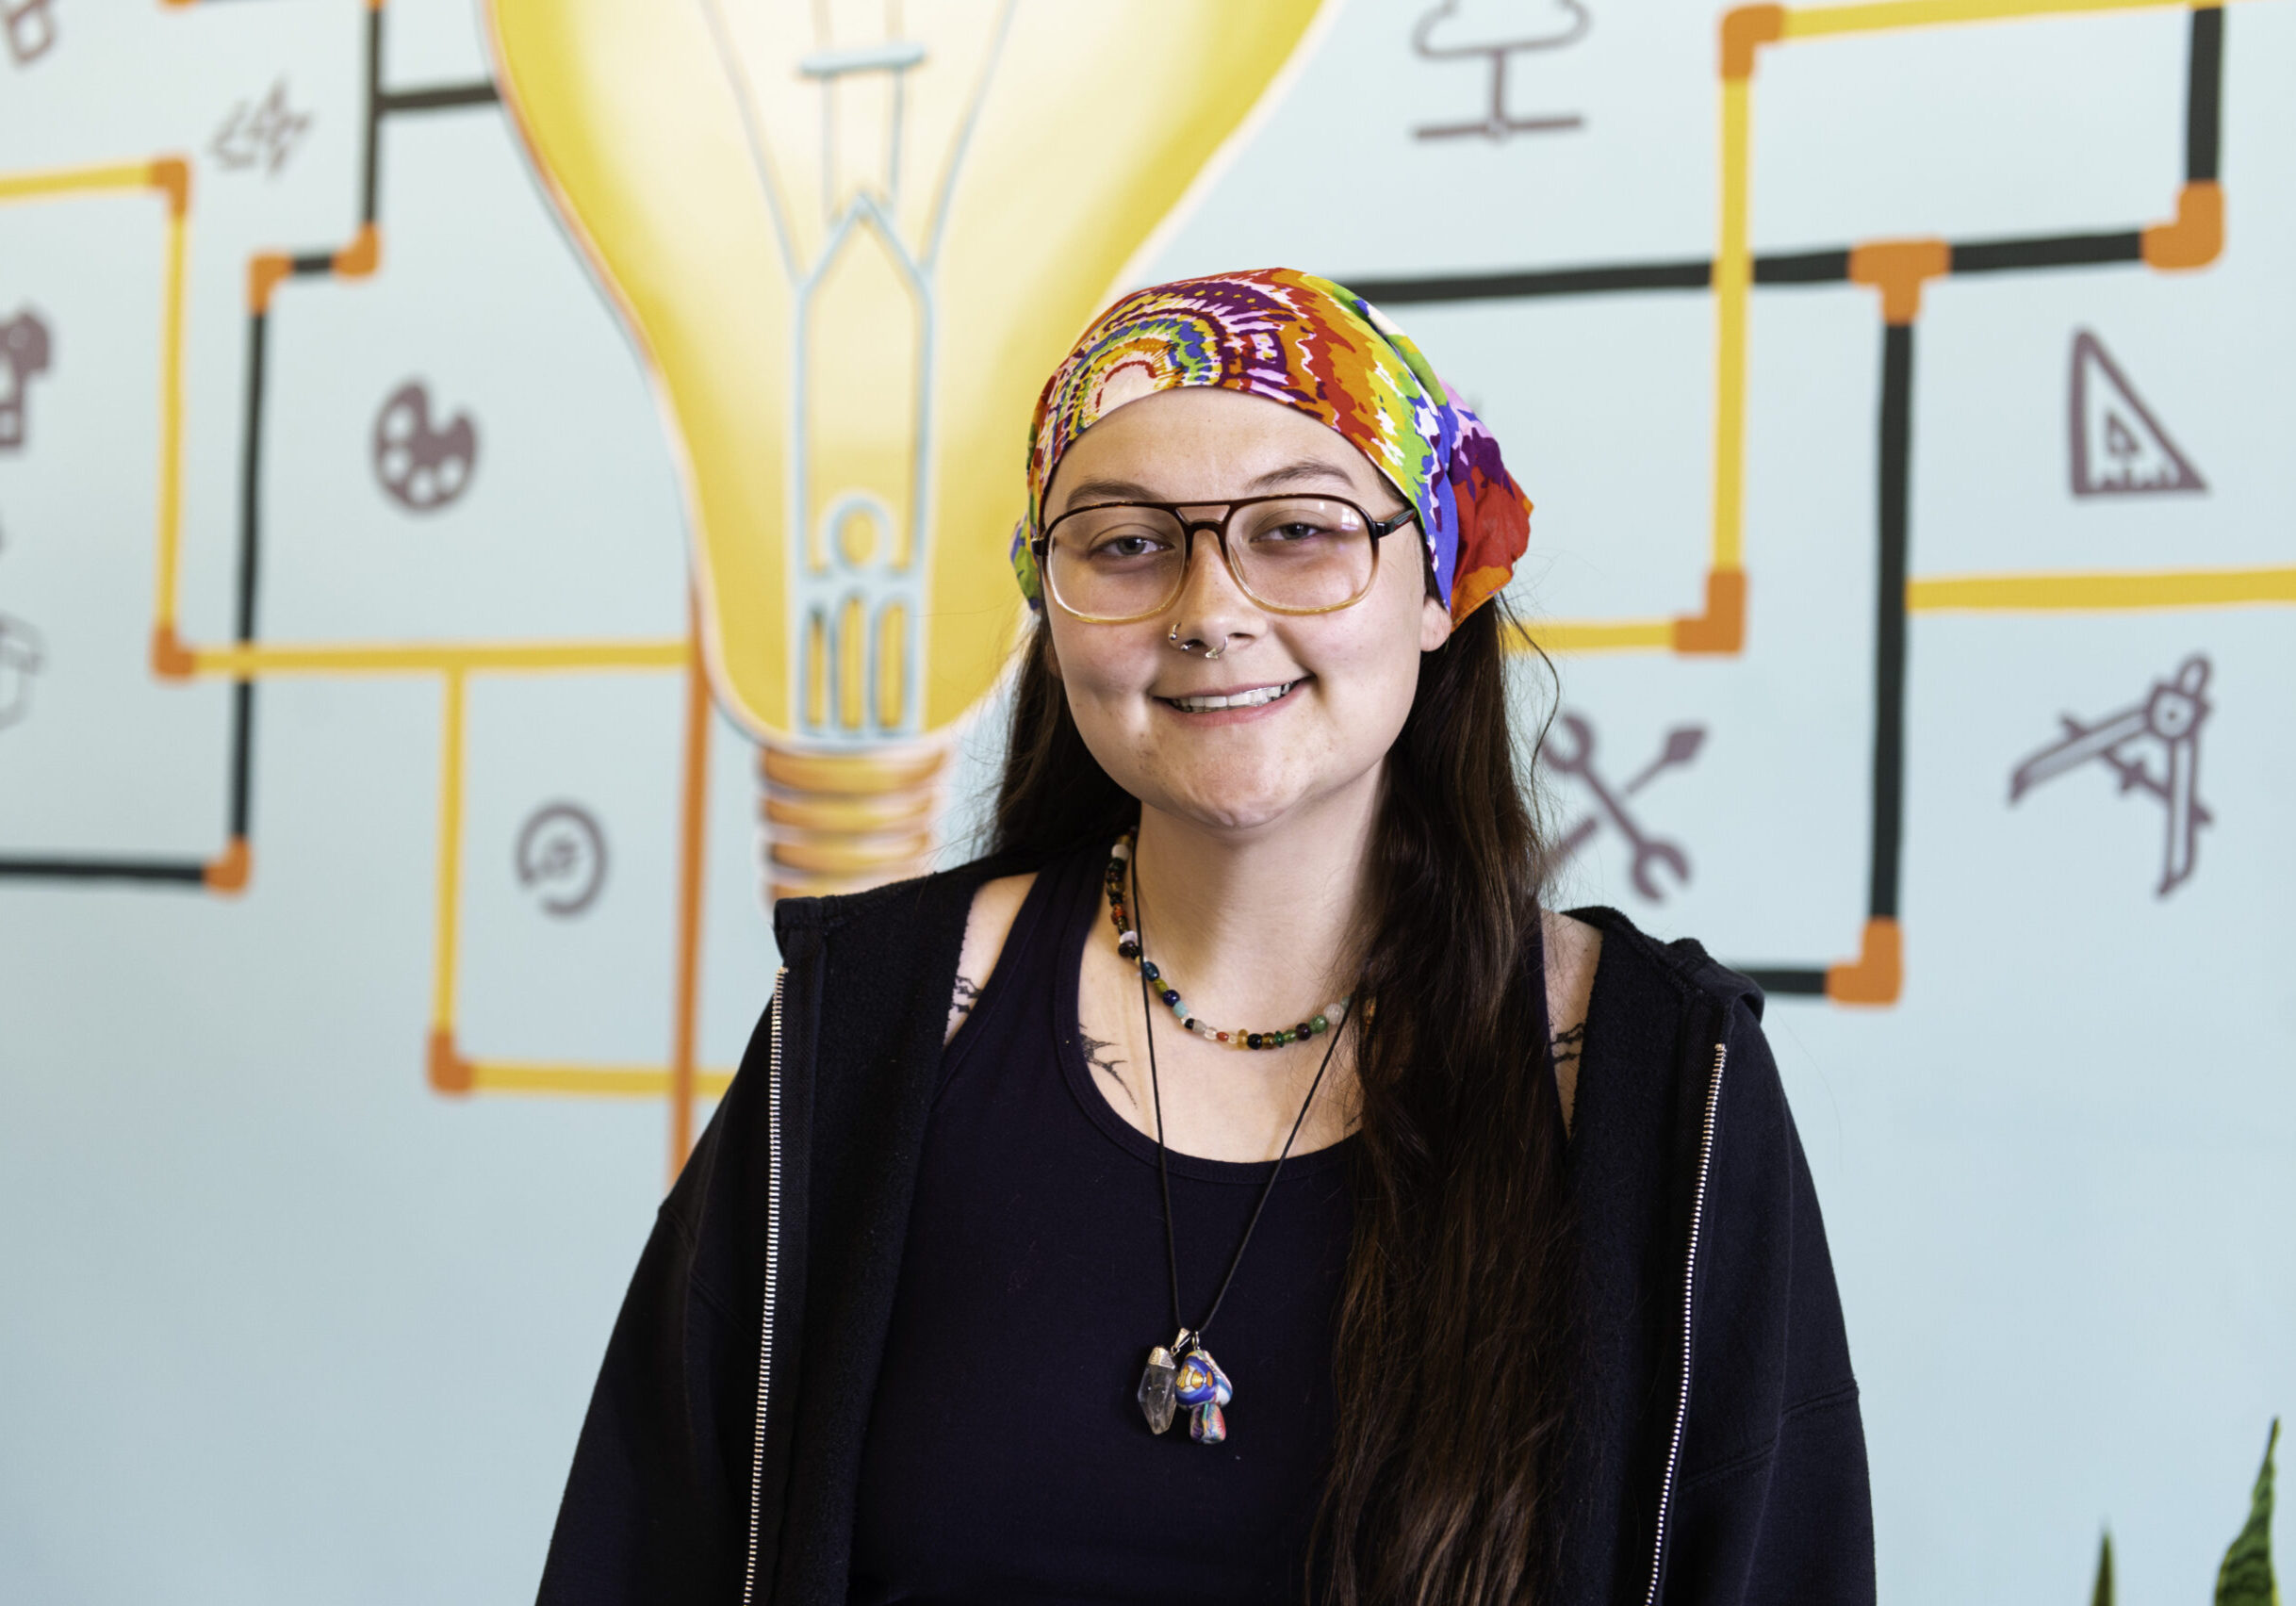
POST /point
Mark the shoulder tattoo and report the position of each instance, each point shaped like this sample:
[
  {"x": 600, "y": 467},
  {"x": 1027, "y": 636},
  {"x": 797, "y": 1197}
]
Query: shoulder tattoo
[
  {"x": 1568, "y": 1045},
  {"x": 967, "y": 994},
  {"x": 1100, "y": 1058}
]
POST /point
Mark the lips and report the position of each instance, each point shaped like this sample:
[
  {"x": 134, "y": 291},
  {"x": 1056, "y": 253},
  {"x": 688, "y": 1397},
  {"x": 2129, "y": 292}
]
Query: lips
[{"x": 1211, "y": 702}]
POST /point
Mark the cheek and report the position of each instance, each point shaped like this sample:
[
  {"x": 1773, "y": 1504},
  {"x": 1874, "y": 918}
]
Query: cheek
[
  {"x": 1370, "y": 667},
  {"x": 1101, "y": 667}
]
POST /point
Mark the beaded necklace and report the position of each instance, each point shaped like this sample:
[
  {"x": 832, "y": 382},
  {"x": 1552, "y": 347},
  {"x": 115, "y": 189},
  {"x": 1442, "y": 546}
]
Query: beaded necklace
[
  {"x": 1185, "y": 1373},
  {"x": 1128, "y": 944}
]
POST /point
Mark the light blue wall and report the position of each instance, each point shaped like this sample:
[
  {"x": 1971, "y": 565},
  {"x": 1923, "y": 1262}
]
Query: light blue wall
[{"x": 278, "y": 1323}]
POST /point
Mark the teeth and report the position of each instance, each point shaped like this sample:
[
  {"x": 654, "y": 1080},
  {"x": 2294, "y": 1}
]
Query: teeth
[{"x": 1241, "y": 699}]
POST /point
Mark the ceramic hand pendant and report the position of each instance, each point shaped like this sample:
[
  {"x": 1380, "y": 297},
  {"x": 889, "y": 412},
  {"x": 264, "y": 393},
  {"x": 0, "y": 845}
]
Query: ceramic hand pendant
[{"x": 1155, "y": 1390}]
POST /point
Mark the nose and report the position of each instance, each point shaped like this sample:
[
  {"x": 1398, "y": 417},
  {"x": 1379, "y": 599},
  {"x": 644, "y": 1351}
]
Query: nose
[{"x": 1211, "y": 607}]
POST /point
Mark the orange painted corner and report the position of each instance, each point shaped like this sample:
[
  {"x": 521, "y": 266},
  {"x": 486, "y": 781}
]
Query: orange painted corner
[
  {"x": 1876, "y": 976},
  {"x": 364, "y": 254},
  {"x": 173, "y": 176},
  {"x": 2196, "y": 238},
  {"x": 1745, "y": 30},
  {"x": 1722, "y": 626},
  {"x": 171, "y": 659},
  {"x": 232, "y": 870},
  {"x": 448, "y": 1070},
  {"x": 1897, "y": 268},
  {"x": 264, "y": 271}
]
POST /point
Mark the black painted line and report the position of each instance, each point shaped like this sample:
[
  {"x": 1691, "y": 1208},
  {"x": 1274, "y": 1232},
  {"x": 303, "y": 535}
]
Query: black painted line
[
  {"x": 2205, "y": 95},
  {"x": 1828, "y": 266},
  {"x": 251, "y": 534},
  {"x": 242, "y": 757},
  {"x": 251, "y": 474},
  {"x": 176, "y": 871},
  {"x": 1526, "y": 284},
  {"x": 2047, "y": 250},
  {"x": 1897, "y": 427},
  {"x": 1794, "y": 979},
  {"x": 444, "y": 97},
  {"x": 371, "y": 180}
]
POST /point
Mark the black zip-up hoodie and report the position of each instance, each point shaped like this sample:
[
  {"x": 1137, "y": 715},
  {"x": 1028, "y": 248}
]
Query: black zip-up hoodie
[{"x": 1717, "y": 1454}]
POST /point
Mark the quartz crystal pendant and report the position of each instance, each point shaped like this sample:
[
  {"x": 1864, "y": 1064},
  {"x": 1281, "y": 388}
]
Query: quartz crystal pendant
[
  {"x": 1207, "y": 1425},
  {"x": 1155, "y": 1390}
]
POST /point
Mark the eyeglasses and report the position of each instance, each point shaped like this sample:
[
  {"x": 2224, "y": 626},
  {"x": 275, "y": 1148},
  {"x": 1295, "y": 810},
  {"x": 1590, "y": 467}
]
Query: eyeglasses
[{"x": 1121, "y": 562}]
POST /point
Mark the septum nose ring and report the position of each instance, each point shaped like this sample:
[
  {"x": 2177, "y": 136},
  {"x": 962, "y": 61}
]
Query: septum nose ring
[{"x": 1192, "y": 644}]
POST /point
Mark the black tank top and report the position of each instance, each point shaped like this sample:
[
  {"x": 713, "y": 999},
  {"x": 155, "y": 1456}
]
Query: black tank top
[{"x": 1005, "y": 1460}]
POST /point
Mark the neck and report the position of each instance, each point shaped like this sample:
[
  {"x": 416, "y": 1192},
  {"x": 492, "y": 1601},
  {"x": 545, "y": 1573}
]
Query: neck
[{"x": 1255, "y": 925}]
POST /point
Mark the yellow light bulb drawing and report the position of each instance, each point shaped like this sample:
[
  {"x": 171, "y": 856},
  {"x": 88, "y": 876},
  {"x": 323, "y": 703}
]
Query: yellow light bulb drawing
[{"x": 852, "y": 236}]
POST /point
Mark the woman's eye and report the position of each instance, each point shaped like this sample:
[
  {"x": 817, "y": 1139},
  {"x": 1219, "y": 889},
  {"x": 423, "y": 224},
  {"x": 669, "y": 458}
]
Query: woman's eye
[{"x": 1128, "y": 546}]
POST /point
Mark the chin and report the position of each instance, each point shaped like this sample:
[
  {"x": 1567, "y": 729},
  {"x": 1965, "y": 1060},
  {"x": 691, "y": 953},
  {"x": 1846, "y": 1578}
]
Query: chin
[{"x": 1227, "y": 801}]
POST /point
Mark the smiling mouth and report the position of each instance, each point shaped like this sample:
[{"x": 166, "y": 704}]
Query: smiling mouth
[{"x": 1260, "y": 697}]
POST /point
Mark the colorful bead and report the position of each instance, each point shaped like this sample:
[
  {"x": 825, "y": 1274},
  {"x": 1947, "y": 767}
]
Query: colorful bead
[
  {"x": 1128, "y": 946},
  {"x": 1193, "y": 1384},
  {"x": 1207, "y": 1424}
]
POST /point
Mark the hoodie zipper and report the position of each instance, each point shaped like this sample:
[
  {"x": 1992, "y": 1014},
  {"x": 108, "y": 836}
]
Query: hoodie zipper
[
  {"x": 1690, "y": 1273},
  {"x": 773, "y": 1266}
]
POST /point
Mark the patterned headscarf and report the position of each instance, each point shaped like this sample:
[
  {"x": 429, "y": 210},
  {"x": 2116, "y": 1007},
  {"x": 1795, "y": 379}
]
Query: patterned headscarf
[{"x": 1311, "y": 344}]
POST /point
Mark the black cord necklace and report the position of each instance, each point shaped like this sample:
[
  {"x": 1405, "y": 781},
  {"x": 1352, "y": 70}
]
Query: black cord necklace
[{"x": 1185, "y": 1373}]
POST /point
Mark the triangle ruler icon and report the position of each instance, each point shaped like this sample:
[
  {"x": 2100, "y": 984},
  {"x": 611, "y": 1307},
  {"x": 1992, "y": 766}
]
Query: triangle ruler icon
[{"x": 2119, "y": 448}]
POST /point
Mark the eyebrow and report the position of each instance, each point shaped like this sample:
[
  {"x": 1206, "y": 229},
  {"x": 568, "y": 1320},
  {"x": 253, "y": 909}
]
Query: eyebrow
[{"x": 1307, "y": 468}]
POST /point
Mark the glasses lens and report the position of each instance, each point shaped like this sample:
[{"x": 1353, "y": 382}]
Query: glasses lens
[
  {"x": 1303, "y": 552},
  {"x": 1115, "y": 562}
]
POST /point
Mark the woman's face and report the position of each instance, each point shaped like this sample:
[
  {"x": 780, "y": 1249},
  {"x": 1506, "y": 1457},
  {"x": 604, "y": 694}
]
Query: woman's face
[{"x": 1352, "y": 673}]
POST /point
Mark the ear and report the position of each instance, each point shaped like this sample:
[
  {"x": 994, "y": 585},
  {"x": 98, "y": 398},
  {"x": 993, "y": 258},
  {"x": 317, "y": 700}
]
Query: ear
[{"x": 1434, "y": 623}]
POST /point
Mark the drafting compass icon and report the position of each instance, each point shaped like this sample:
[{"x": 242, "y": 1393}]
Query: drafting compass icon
[{"x": 2169, "y": 720}]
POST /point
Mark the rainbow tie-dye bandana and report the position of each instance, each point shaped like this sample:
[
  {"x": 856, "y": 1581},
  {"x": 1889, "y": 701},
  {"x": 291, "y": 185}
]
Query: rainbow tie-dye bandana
[{"x": 1311, "y": 344}]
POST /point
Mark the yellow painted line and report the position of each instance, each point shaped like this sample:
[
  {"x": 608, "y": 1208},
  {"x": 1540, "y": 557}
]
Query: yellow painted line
[
  {"x": 2073, "y": 592},
  {"x": 589, "y": 1081},
  {"x": 450, "y": 858},
  {"x": 1595, "y": 635},
  {"x": 429, "y": 658},
  {"x": 1815, "y": 22},
  {"x": 172, "y": 422},
  {"x": 1733, "y": 277},
  {"x": 74, "y": 181}
]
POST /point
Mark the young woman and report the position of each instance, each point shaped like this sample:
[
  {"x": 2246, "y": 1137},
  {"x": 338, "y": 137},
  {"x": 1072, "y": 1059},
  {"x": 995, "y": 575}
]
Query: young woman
[{"x": 1254, "y": 1038}]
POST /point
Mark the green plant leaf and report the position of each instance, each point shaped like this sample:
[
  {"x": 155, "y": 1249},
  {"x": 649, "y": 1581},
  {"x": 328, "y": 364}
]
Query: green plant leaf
[
  {"x": 2102, "y": 1597},
  {"x": 2246, "y": 1577}
]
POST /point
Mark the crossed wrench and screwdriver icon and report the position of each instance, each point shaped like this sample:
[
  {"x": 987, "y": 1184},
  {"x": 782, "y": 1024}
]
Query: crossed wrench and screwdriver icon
[{"x": 1681, "y": 745}]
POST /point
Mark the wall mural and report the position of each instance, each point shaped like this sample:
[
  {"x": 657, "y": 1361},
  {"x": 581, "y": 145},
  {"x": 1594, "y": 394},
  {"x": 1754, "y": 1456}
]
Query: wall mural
[{"x": 834, "y": 248}]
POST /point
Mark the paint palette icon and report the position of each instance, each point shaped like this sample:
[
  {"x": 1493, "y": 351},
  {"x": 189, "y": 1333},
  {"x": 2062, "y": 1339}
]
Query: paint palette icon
[{"x": 420, "y": 466}]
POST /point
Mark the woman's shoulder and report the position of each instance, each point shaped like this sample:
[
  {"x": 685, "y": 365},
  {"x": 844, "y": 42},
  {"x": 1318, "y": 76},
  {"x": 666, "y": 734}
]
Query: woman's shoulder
[
  {"x": 1658, "y": 1013},
  {"x": 1573, "y": 948},
  {"x": 893, "y": 908},
  {"x": 1677, "y": 972}
]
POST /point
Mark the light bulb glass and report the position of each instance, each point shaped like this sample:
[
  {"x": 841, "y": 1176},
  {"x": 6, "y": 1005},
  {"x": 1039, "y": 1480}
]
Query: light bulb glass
[{"x": 851, "y": 240}]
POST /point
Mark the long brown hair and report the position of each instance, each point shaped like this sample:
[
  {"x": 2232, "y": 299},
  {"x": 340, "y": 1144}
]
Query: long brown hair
[{"x": 1453, "y": 1322}]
